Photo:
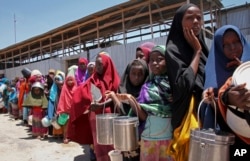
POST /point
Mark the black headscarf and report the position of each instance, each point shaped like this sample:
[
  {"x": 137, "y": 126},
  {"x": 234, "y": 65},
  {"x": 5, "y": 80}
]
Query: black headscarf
[
  {"x": 179, "y": 55},
  {"x": 126, "y": 86}
]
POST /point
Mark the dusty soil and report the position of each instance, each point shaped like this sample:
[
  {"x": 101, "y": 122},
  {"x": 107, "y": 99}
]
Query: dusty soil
[{"x": 16, "y": 144}]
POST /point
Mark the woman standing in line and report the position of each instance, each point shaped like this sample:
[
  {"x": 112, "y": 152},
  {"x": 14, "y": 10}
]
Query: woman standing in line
[
  {"x": 186, "y": 54},
  {"x": 82, "y": 127}
]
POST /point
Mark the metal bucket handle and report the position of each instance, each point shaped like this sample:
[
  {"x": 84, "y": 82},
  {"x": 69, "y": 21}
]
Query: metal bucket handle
[
  {"x": 198, "y": 113},
  {"x": 104, "y": 105},
  {"x": 135, "y": 103}
]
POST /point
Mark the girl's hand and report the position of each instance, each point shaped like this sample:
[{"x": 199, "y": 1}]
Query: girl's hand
[
  {"x": 236, "y": 62},
  {"x": 208, "y": 95},
  {"x": 95, "y": 106},
  {"x": 239, "y": 96},
  {"x": 192, "y": 39},
  {"x": 110, "y": 94}
]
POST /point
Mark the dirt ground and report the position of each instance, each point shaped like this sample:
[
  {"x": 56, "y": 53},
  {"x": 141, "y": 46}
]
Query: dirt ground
[{"x": 16, "y": 144}]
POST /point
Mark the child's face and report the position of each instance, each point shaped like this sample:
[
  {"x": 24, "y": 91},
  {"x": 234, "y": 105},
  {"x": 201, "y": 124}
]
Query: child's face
[
  {"x": 136, "y": 75},
  {"x": 157, "y": 63},
  {"x": 232, "y": 46},
  {"x": 91, "y": 69},
  {"x": 70, "y": 82},
  {"x": 140, "y": 55},
  {"x": 99, "y": 65},
  {"x": 37, "y": 91},
  {"x": 38, "y": 78}
]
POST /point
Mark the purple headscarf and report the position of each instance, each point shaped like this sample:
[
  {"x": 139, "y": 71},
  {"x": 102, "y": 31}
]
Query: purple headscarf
[{"x": 80, "y": 75}]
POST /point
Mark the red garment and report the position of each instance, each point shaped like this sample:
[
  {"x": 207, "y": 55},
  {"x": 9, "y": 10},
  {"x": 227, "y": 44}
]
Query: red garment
[
  {"x": 65, "y": 100},
  {"x": 32, "y": 79},
  {"x": 146, "y": 52},
  {"x": 23, "y": 90},
  {"x": 80, "y": 129},
  {"x": 83, "y": 60}
]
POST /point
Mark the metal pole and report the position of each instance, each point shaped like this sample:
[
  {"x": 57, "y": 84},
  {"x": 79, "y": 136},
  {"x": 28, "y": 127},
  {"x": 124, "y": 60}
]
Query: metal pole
[{"x": 15, "y": 26}]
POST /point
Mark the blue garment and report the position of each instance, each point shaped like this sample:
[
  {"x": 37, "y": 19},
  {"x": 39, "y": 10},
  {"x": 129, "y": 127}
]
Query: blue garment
[
  {"x": 25, "y": 110},
  {"x": 51, "y": 110},
  {"x": 53, "y": 97},
  {"x": 53, "y": 92},
  {"x": 13, "y": 96},
  {"x": 216, "y": 71}
]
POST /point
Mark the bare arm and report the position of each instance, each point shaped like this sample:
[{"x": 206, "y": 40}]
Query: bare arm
[{"x": 195, "y": 44}]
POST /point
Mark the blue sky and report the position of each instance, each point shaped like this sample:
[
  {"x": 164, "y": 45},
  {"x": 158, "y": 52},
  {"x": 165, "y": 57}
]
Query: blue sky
[{"x": 35, "y": 17}]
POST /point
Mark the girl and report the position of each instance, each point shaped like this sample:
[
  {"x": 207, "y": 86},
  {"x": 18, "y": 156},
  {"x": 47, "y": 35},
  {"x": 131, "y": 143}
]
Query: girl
[
  {"x": 186, "y": 57},
  {"x": 54, "y": 96},
  {"x": 132, "y": 80},
  {"x": 83, "y": 124},
  {"x": 81, "y": 73},
  {"x": 153, "y": 106},
  {"x": 154, "y": 99},
  {"x": 65, "y": 100},
  {"x": 229, "y": 49},
  {"x": 37, "y": 101}
]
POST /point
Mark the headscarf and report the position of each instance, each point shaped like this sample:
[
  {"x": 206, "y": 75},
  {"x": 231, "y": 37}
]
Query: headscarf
[
  {"x": 109, "y": 80},
  {"x": 54, "y": 87},
  {"x": 80, "y": 75},
  {"x": 72, "y": 70},
  {"x": 52, "y": 71},
  {"x": 155, "y": 95},
  {"x": 179, "y": 55},
  {"x": 126, "y": 86},
  {"x": 13, "y": 95},
  {"x": 54, "y": 94},
  {"x": 82, "y": 99},
  {"x": 148, "y": 45},
  {"x": 5, "y": 81},
  {"x": 36, "y": 100},
  {"x": 35, "y": 72},
  {"x": 91, "y": 63},
  {"x": 65, "y": 100},
  {"x": 216, "y": 71},
  {"x": 145, "y": 51}
]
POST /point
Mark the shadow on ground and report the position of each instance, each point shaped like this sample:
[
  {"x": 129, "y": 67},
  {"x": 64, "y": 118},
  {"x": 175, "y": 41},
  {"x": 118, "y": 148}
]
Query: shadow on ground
[{"x": 85, "y": 156}]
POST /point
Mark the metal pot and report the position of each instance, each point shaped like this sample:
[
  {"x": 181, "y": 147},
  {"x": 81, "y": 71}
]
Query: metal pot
[
  {"x": 209, "y": 144},
  {"x": 104, "y": 128},
  {"x": 126, "y": 135},
  {"x": 26, "y": 72}
]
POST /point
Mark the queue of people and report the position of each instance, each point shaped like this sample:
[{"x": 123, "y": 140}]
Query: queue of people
[{"x": 163, "y": 87}]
